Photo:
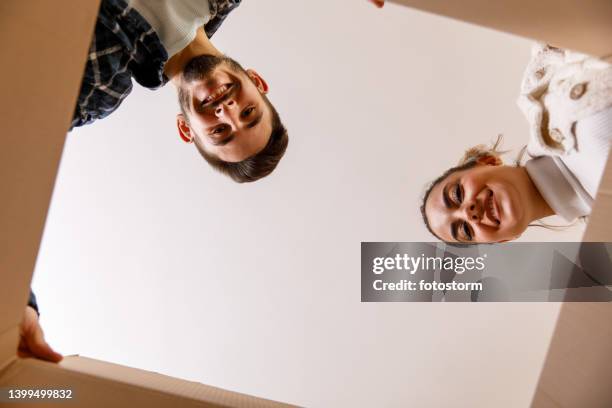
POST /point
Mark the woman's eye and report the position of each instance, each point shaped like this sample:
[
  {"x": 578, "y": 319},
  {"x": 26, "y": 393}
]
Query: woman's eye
[
  {"x": 458, "y": 194},
  {"x": 247, "y": 112},
  {"x": 467, "y": 232}
]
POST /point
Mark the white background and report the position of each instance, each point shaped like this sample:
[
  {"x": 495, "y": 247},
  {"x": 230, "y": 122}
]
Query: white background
[{"x": 152, "y": 260}]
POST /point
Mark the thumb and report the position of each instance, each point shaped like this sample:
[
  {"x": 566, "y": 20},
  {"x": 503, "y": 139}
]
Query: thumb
[{"x": 39, "y": 347}]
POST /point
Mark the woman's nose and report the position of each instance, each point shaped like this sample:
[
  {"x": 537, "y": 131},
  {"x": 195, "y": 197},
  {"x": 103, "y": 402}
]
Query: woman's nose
[{"x": 473, "y": 211}]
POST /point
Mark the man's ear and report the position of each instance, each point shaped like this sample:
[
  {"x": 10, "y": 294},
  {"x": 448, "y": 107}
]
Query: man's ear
[
  {"x": 259, "y": 82},
  {"x": 183, "y": 128},
  {"x": 490, "y": 160}
]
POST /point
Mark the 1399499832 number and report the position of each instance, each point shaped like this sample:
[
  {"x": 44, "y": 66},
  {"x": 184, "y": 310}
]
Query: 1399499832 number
[{"x": 15, "y": 394}]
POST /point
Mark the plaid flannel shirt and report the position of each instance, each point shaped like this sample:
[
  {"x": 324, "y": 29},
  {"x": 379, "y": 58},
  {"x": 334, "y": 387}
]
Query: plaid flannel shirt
[{"x": 125, "y": 46}]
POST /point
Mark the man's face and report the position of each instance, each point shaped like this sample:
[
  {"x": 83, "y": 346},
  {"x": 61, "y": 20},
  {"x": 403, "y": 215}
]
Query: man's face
[{"x": 226, "y": 111}]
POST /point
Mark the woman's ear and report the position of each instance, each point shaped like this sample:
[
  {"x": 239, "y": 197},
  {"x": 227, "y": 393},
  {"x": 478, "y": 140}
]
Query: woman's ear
[
  {"x": 489, "y": 160},
  {"x": 259, "y": 82}
]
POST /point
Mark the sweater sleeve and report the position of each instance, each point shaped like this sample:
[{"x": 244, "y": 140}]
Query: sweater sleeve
[{"x": 32, "y": 302}]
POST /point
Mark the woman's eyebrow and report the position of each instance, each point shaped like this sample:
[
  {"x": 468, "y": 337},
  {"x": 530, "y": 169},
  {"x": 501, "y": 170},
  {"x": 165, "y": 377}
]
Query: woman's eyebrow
[
  {"x": 447, "y": 202},
  {"x": 454, "y": 229}
]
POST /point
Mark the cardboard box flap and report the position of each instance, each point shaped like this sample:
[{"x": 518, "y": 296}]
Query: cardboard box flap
[
  {"x": 44, "y": 47},
  {"x": 8, "y": 346},
  {"x": 600, "y": 226},
  {"x": 572, "y": 24},
  {"x": 99, "y": 384}
]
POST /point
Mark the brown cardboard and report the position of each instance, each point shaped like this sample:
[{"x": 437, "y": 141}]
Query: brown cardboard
[
  {"x": 600, "y": 225},
  {"x": 578, "y": 365},
  {"x": 44, "y": 47},
  {"x": 46, "y": 44},
  {"x": 100, "y": 384},
  {"x": 43, "y": 55},
  {"x": 574, "y": 24}
]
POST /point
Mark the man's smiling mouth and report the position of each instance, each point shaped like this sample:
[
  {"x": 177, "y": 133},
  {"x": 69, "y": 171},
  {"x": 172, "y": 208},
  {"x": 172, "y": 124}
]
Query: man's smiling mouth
[
  {"x": 491, "y": 208},
  {"x": 218, "y": 94}
]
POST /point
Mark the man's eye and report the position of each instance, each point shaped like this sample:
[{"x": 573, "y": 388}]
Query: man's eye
[
  {"x": 247, "y": 112},
  {"x": 218, "y": 130}
]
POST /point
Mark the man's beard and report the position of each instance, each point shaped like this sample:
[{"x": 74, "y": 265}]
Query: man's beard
[{"x": 202, "y": 66}]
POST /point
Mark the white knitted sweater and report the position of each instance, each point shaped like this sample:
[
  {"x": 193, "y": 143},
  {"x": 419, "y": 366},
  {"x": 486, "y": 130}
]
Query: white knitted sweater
[
  {"x": 559, "y": 88},
  {"x": 567, "y": 100}
]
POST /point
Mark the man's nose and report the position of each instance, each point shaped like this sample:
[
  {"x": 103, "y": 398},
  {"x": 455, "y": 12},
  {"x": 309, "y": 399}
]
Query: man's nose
[{"x": 224, "y": 107}]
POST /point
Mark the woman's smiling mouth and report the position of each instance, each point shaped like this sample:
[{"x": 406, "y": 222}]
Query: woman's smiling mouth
[{"x": 491, "y": 209}]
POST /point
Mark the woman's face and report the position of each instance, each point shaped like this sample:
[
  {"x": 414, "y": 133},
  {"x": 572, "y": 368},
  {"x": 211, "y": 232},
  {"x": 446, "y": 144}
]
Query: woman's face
[{"x": 486, "y": 203}]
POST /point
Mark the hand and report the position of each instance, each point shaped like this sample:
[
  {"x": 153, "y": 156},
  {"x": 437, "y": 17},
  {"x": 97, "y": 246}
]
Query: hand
[
  {"x": 377, "y": 3},
  {"x": 32, "y": 340}
]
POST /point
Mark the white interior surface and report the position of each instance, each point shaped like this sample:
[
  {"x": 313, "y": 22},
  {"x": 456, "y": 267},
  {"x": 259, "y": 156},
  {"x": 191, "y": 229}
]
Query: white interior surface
[{"x": 151, "y": 260}]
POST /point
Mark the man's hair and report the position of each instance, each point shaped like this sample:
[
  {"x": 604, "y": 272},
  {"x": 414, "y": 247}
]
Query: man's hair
[{"x": 259, "y": 165}]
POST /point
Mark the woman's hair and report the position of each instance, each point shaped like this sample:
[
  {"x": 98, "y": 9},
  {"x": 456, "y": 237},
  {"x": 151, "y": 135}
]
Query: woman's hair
[
  {"x": 480, "y": 151},
  {"x": 469, "y": 159}
]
